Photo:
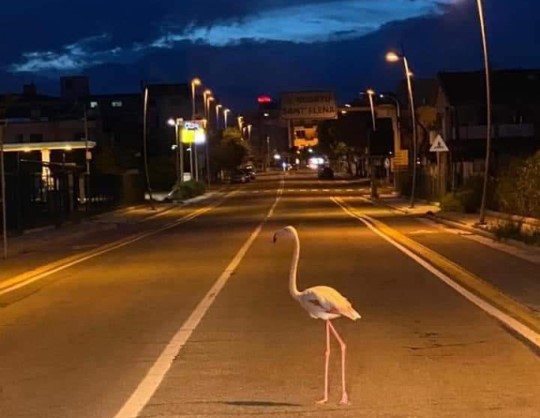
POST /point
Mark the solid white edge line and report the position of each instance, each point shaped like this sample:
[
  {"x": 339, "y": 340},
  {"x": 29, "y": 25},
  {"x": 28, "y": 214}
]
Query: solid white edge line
[
  {"x": 111, "y": 247},
  {"x": 155, "y": 375},
  {"x": 517, "y": 326}
]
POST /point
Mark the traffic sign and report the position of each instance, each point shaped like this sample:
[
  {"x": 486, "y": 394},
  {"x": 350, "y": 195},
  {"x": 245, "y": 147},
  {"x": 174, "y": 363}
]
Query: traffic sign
[{"x": 438, "y": 145}]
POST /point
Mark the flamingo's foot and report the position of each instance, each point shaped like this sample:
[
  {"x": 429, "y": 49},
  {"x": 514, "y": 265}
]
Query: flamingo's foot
[
  {"x": 344, "y": 399},
  {"x": 322, "y": 401}
]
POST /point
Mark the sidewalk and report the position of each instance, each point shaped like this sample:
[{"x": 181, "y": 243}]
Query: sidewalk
[
  {"x": 51, "y": 236},
  {"x": 467, "y": 222}
]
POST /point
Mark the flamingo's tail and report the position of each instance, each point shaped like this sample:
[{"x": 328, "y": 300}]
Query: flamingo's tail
[{"x": 351, "y": 313}]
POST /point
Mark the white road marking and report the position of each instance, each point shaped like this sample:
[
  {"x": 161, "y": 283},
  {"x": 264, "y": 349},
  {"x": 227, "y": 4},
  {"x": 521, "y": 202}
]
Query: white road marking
[
  {"x": 488, "y": 242},
  {"x": 25, "y": 279},
  {"x": 517, "y": 326},
  {"x": 155, "y": 375}
]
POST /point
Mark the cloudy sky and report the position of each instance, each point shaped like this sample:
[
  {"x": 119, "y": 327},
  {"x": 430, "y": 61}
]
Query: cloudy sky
[{"x": 243, "y": 48}]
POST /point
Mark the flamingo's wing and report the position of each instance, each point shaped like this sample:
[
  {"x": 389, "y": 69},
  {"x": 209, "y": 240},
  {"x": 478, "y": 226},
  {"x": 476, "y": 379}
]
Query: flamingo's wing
[{"x": 330, "y": 300}]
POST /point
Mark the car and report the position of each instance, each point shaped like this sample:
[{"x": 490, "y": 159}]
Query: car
[
  {"x": 239, "y": 176},
  {"x": 326, "y": 173},
  {"x": 250, "y": 172}
]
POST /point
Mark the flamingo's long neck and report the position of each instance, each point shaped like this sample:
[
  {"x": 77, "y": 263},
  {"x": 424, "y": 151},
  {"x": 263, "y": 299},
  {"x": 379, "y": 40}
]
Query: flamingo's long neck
[{"x": 293, "y": 289}]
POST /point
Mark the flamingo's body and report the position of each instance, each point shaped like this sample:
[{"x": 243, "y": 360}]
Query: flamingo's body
[{"x": 321, "y": 302}]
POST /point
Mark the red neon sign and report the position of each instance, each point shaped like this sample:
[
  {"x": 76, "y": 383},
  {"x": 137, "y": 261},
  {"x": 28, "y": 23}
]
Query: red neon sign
[{"x": 264, "y": 99}]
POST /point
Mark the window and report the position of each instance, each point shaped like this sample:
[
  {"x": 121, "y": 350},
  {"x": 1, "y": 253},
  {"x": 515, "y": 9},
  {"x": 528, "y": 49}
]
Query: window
[
  {"x": 93, "y": 105},
  {"x": 36, "y": 137},
  {"x": 116, "y": 103}
]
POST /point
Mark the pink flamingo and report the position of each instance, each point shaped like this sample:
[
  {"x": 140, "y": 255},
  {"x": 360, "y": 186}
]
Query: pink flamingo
[{"x": 321, "y": 302}]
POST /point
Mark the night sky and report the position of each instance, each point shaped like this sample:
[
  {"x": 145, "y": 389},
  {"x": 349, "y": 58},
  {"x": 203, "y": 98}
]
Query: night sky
[{"x": 243, "y": 48}]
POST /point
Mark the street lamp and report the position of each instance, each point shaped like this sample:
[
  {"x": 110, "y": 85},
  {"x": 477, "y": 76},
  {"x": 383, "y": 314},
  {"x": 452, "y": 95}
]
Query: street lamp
[
  {"x": 249, "y": 133},
  {"x": 209, "y": 99},
  {"x": 396, "y": 101},
  {"x": 145, "y": 148},
  {"x": 177, "y": 123},
  {"x": 371, "y": 93},
  {"x": 207, "y": 93},
  {"x": 240, "y": 120},
  {"x": 218, "y": 106},
  {"x": 394, "y": 57},
  {"x": 225, "y": 113},
  {"x": 194, "y": 83},
  {"x": 488, "y": 107}
]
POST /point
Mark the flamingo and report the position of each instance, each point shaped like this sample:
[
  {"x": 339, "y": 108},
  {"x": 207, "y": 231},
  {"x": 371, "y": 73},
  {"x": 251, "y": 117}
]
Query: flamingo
[{"x": 321, "y": 302}]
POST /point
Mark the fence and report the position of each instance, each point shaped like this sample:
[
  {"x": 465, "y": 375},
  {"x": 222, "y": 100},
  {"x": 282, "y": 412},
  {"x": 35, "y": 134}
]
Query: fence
[{"x": 34, "y": 200}]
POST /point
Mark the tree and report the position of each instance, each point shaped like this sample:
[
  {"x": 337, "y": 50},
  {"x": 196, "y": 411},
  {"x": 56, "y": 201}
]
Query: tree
[{"x": 232, "y": 150}]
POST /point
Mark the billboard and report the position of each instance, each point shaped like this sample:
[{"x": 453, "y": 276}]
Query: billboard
[
  {"x": 193, "y": 132},
  {"x": 309, "y": 105}
]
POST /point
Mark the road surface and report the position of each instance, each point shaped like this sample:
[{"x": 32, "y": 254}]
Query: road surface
[{"x": 192, "y": 318}]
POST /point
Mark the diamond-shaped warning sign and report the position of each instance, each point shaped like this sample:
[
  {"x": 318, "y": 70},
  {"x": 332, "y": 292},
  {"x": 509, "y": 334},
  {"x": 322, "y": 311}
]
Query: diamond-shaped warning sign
[{"x": 439, "y": 145}]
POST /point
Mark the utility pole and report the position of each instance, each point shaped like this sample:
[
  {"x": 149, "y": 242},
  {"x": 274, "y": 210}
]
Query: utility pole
[
  {"x": 87, "y": 160},
  {"x": 3, "y": 184}
]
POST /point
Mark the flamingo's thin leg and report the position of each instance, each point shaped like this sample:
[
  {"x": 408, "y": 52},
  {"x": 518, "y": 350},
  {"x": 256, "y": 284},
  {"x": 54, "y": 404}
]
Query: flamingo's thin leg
[
  {"x": 326, "y": 363},
  {"x": 344, "y": 396}
]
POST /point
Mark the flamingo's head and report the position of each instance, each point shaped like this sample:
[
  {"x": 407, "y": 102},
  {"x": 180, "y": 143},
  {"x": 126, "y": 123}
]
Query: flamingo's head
[{"x": 287, "y": 231}]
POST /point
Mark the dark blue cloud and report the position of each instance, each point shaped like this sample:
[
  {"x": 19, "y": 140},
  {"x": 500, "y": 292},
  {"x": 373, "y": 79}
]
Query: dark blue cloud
[{"x": 241, "y": 58}]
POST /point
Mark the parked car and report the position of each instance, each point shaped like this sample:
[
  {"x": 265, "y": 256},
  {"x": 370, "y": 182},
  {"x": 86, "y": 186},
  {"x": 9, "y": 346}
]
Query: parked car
[
  {"x": 326, "y": 173},
  {"x": 239, "y": 176},
  {"x": 250, "y": 172}
]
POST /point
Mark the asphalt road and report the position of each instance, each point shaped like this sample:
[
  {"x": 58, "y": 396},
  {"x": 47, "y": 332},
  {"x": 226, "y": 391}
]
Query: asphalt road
[{"x": 80, "y": 342}]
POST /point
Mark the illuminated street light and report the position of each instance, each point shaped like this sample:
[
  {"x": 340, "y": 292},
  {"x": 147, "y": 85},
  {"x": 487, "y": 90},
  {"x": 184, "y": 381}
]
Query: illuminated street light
[
  {"x": 249, "y": 133},
  {"x": 488, "y": 107},
  {"x": 207, "y": 93},
  {"x": 371, "y": 93},
  {"x": 394, "y": 57},
  {"x": 194, "y": 83},
  {"x": 225, "y": 114},
  {"x": 217, "y": 115},
  {"x": 240, "y": 120},
  {"x": 178, "y": 147}
]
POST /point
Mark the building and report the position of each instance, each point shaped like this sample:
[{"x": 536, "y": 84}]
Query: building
[{"x": 461, "y": 106}]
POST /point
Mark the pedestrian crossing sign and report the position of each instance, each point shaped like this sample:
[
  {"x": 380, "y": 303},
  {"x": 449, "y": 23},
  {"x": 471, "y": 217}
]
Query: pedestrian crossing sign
[{"x": 438, "y": 145}]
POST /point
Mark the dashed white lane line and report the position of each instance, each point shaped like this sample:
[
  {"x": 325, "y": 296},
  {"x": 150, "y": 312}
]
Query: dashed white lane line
[{"x": 148, "y": 386}]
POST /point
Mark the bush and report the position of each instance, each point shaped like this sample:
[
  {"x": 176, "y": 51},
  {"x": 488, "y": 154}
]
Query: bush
[
  {"x": 513, "y": 230},
  {"x": 188, "y": 190},
  {"x": 451, "y": 203},
  {"x": 518, "y": 190}
]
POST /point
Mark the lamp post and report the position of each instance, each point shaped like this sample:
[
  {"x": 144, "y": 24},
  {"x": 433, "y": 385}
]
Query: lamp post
[
  {"x": 371, "y": 93},
  {"x": 249, "y": 133},
  {"x": 145, "y": 150},
  {"x": 225, "y": 114},
  {"x": 209, "y": 99},
  {"x": 194, "y": 83},
  {"x": 240, "y": 120},
  {"x": 207, "y": 93},
  {"x": 394, "y": 57},
  {"x": 3, "y": 187},
  {"x": 218, "y": 106},
  {"x": 177, "y": 123},
  {"x": 488, "y": 107}
]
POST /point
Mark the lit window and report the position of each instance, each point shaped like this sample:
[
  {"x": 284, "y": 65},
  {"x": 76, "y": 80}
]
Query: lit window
[
  {"x": 116, "y": 103},
  {"x": 93, "y": 105}
]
